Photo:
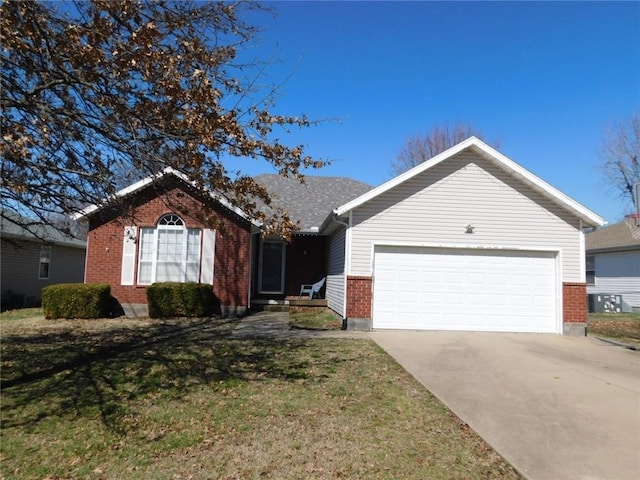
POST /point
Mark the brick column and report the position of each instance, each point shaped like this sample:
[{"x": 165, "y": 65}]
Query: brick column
[
  {"x": 574, "y": 307},
  {"x": 358, "y": 297}
]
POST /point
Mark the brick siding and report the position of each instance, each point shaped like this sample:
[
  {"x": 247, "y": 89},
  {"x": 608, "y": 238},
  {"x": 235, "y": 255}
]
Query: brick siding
[
  {"x": 359, "y": 297},
  {"x": 232, "y": 250},
  {"x": 574, "y": 302}
]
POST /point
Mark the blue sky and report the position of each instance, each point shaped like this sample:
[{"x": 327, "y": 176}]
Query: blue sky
[{"x": 545, "y": 80}]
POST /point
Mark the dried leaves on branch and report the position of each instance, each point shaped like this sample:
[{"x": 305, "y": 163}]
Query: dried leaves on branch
[{"x": 98, "y": 94}]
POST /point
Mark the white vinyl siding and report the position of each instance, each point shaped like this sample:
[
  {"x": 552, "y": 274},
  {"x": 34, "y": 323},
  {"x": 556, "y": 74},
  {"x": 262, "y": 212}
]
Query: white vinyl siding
[
  {"x": 335, "y": 290},
  {"x": 618, "y": 273},
  {"x": 434, "y": 208}
]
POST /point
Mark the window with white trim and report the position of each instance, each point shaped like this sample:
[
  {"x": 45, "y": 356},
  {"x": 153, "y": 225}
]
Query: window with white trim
[
  {"x": 170, "y": 252},
  {"x": 45, "y": 262}
]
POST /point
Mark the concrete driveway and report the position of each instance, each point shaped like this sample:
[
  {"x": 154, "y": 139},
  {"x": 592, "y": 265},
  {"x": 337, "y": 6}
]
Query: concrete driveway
[{"x": 555, "y": 407}]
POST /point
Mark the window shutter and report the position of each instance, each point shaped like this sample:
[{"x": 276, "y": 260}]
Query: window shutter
[
  {"x": 128, "y": 256},
  {"x": 208, "y": 253}
]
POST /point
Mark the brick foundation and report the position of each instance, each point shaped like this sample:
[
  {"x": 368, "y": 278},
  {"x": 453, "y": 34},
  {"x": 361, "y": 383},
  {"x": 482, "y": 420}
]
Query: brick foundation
[{"x": 359, "y": 297}]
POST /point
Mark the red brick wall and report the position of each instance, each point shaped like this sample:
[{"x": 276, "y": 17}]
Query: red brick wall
[
  {"x": 359, "y": 297},
  {"x": 232, "y": 250},
  {"x": 574, "y": 302}
]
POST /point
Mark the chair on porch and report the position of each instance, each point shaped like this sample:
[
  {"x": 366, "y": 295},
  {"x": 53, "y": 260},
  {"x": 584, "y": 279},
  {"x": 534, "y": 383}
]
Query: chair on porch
[{"x": 311, "y": 288}]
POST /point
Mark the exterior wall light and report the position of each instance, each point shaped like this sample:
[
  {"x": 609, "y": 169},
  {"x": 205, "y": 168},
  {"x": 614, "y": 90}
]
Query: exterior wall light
[{"x": 469, "y": 228}]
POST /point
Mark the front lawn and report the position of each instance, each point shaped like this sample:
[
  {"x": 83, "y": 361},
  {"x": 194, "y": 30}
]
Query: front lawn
[
  {"x": 114, "y": 399},
  {"x": 621, "y": 327},
  {"x": 314, "y": 318}
]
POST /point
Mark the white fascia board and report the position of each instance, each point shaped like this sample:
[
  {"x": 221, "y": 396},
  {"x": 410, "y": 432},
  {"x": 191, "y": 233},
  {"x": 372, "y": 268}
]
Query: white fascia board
[
  {"x": 403, "y": 177},
  {"x": 152, "y": 178},
  {"x": 583, "y": 213},
  {"x": 493, "y": 155}
]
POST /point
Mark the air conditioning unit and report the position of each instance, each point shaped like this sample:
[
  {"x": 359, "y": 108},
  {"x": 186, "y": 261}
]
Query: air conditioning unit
[{"x": 600, "y": 302}]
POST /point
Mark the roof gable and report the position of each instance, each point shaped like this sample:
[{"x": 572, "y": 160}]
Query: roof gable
[
  {"x": 474, "y": 144},
  {"x": 145, "y": 182}
]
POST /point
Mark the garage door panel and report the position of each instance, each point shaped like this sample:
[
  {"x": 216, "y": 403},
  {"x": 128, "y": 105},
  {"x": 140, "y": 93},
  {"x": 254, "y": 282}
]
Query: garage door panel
[{"x": 455, "y": 289}]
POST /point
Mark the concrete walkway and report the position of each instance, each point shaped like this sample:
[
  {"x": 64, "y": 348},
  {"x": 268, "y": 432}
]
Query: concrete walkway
[
  {"x": 556, "y": 407},
  {"x": 276, "y": 325}
]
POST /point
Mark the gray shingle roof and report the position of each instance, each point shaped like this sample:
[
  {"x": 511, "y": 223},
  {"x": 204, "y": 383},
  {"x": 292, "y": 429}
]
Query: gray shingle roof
[
  {"x": 615, "y": 237},
  {"x": 311, "y": 202},
  {"x": 17, "y": 227}
]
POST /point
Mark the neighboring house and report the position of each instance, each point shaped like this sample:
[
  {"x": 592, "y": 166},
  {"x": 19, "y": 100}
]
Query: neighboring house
[
  {"x": 468, "y": 240},
  {"x": 34, "y": 259},
  {"x": 613, "y": 262}
]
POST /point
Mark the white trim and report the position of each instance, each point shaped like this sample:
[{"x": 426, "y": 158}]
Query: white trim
[
  {"x": 502, "y": 248},
  {"x": 129, "y": 255},
  {"x": 583, "y": 256},
  {"x": 218, "y": 197},
  {"x": 207, "y": 256},
  {"x": 559, "y": 296},
  {"x": 583, "y": 213},
  {"x": 347, "y": 263}
]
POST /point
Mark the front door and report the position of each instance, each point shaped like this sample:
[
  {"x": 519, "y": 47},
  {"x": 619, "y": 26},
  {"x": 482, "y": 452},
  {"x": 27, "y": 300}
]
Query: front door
[{"x": 272, "y": 257}]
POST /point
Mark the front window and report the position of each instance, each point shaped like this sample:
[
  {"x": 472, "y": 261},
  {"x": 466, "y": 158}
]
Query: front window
[
  {"x": 45, "y": 262},
  {"x": 591, "y": 270},
  {"x": 169, "y": 253}
]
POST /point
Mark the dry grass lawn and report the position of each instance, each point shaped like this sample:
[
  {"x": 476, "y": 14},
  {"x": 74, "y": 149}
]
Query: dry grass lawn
[
  {"x": 143, "y": 399},
  {"x": 622, "y": 327}
]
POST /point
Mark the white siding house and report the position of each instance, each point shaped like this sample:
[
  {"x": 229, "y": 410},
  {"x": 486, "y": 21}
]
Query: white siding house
[
  {"x": 613, "y": 262},
  {"x": 468, "y": 240}
]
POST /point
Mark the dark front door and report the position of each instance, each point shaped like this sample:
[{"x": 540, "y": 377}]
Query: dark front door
[{"x": 272, "y": 257}]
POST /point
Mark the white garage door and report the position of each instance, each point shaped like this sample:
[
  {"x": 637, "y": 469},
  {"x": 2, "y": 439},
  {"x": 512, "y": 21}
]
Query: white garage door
[{"x": 465, "y": 289}]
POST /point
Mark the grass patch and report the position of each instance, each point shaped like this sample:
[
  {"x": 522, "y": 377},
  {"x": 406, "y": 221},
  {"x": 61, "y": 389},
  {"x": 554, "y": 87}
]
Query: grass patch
[
  {"x": 186, "y": 399},
  {"x": 314, "y": 318},
  {"x": 622, "y": 327},
  {"x": 21, "y": 313}
]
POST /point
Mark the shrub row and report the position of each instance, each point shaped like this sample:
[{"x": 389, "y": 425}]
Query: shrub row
[
  {"x": 169, "y": 299},
  {"x": 164, "y": 300},
  {"x": 76, "y": 300}
]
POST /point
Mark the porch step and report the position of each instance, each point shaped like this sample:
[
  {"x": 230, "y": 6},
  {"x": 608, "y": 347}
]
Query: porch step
[
  {"x": 263, "y": 305},
  {"x": 275, "y": 308},
  {"x": 305, "y": 302}
]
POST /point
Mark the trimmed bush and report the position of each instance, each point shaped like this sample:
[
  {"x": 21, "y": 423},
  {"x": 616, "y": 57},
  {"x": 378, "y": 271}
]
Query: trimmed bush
[
  {"x": 76, "y": 300},
  {"x": 170, "y": 299}
]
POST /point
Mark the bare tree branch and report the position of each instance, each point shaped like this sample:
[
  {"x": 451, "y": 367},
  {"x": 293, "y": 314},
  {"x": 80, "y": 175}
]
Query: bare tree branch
[
  {"x": 421, "y": 147},
  {"x": 620, "y": 153},
  {"x": 97, "y": 93}
]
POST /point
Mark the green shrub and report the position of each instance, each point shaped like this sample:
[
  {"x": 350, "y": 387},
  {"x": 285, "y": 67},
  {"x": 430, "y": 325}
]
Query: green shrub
[
  {"x": 172, "y": 299},
  {"x": 76, "y": 300}
]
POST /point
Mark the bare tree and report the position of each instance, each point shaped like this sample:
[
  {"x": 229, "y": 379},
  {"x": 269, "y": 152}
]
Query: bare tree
[
  {"x": 100, "y": 93},
  {"x": 620, "y": 153},
  {"x": 421, "y": 147}
]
